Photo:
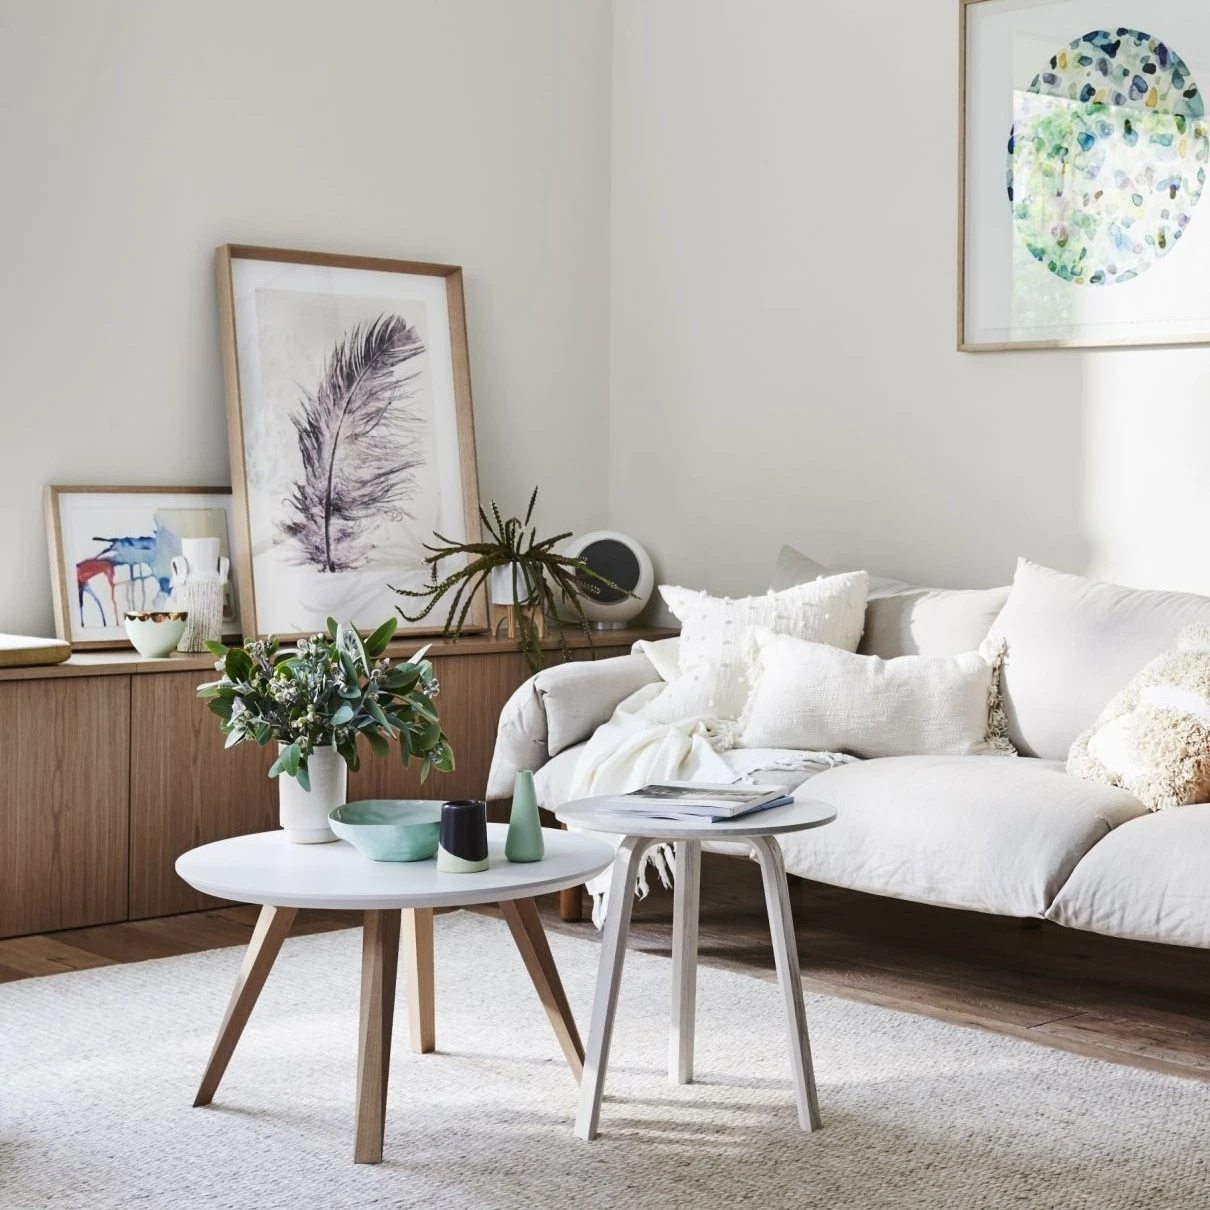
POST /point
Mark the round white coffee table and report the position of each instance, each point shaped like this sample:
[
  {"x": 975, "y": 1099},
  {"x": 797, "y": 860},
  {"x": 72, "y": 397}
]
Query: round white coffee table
[
  {"x": 638, "y": 834},
  {"x": 284, "y": 877}
]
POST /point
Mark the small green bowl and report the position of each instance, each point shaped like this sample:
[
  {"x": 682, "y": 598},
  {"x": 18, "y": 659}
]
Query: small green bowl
[{"x": 389, "y": 829}]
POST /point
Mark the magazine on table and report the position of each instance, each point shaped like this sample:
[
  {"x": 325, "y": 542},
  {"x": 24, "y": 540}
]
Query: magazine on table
[{"x": 705, "y": 801}]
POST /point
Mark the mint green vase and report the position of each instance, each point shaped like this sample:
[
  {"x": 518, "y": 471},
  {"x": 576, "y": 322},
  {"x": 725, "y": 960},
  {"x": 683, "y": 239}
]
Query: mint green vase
[{"x": 524, "y": 840}]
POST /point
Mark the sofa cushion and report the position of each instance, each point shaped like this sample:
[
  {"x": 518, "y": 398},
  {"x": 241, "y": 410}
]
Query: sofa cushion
[
  {"x": 1153, "y": 739},
  {"x": 811, "y": 697},
  {"x": 905, "y": 619},
  {"x": 715, "y": 632},
  {"x": 1073, "y": 644},
  {"x": 1146, "y": 881},
  {"x": 988, "y": 833}
]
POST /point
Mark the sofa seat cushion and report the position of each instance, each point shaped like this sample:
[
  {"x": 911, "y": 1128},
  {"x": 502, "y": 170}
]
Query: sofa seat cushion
[
  {"x": 987, "y": 833},
  {"x": 1147, "y": 881}
]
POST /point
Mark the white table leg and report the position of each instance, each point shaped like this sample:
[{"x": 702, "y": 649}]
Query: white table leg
[
  {"x": 785, "y": 952},
  {"x": 686, "y": 886},
  {"x": 609, "y": 974}
]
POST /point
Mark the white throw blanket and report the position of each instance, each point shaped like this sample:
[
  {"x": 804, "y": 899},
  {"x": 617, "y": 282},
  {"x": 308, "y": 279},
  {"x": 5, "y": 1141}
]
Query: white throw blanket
[{"x": 630, "y": 751}]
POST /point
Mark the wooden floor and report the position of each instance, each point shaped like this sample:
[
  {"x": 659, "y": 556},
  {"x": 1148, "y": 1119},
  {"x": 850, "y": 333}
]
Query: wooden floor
[{"x": 1123, "y": 1001}]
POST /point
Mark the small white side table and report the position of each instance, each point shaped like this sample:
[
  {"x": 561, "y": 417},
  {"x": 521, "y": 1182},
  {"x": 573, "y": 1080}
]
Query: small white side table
[
  {"x": 284, "y": 877},
  {"x": 638, "y": 835}
]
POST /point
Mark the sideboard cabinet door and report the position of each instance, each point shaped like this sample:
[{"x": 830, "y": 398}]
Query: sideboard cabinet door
[
  {"x": 474, "y": 689},
  {"x": 63, "y": 782},
  {"x": 185, "y": 790}
]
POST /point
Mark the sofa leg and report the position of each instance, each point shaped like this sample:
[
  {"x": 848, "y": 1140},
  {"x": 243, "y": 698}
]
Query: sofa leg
[{"x": 571, "y": 905}]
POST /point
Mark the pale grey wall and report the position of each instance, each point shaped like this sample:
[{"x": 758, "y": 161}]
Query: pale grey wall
[
  {"x": 135, "y": 136},
  {"x": 783, "y": 295}
]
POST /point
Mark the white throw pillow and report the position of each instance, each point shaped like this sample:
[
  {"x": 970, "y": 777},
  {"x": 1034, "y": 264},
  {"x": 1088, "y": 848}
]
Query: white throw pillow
[
  {"x": 818, "y": 699},
  {"x": 664, "y": 654},
  {"x": 907, "y": 619},
  {"x": 715, "y": 633},
  {"x": 1072, "y": 644},
  {"x": 1153, "y": 739}
]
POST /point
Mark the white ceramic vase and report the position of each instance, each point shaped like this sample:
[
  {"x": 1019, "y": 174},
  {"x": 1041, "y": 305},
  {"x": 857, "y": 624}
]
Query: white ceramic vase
[
  {"x": 304, "y": 813},
  {"x": 500, "y": 586}
]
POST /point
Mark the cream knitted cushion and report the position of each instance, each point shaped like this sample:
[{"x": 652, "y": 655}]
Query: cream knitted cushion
[
  {"x": 1153, "y": 739},
  {"x": 819, "y": 699},
  {"x": 715, "y": 633}
]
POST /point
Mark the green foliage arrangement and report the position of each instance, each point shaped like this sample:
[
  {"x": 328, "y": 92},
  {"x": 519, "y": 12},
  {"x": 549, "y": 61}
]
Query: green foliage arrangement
[
  {"x": 538, "y": 573},
  {"x": 326, "y": 691}
]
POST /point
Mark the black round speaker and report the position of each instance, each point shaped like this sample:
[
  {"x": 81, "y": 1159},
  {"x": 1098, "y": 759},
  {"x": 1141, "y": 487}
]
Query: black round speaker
[
  {"x": 617, "y": 563},
  {"x": 623, "y": 562}
]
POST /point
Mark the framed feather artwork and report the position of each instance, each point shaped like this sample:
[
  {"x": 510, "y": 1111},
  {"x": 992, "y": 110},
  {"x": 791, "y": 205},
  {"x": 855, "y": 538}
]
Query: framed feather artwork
[{"x": 351, "y": 433}]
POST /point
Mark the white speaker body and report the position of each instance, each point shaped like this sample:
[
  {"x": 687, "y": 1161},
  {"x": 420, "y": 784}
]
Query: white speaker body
[{"x": 621, "y": 559}]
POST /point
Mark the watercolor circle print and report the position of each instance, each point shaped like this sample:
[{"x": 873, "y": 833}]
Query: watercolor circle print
[{"x": 1107, "y": 158}]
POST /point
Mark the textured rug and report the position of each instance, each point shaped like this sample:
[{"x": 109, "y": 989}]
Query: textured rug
[{"x": 98, "y": 1069}]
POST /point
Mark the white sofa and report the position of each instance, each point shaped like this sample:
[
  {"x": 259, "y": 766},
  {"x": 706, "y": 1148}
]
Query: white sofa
[{"x": 1016, "y": 837}]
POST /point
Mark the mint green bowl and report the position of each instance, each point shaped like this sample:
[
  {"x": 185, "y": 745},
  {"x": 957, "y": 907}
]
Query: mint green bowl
[{"x": 389, "y": 829}]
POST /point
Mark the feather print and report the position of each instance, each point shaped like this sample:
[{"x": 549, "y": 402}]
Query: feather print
[{"x": 359, "y": 437}]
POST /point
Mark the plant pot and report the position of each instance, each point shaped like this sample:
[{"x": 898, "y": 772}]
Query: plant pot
[
  {"x": 304, "y": 813},
  {"x": 500, "y": 585}
]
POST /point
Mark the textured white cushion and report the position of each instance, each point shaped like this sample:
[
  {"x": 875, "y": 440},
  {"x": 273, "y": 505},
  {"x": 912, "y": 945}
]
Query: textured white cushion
[
  {"x": 1073, "y": 644},
  {"x": 715, "y": 632},
  {"x": 993, "y": 835},
  {"x": 1146, "y": 881},
  {"x": 1153, "y": 739},
  {"x": 821, "y": 699},
  {"x": 905, "y": 619}
]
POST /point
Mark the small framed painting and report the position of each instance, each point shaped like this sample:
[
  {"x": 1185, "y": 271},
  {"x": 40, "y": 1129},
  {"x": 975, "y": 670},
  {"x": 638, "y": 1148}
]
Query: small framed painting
[
  {"x": 351, "y": 432},
  {"x": 111, "y": 551},
  {"x": 1085, "y": 148}
]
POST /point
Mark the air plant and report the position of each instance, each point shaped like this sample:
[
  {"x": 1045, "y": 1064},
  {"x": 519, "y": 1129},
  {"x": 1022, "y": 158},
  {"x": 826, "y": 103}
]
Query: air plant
[
  {"x": 538, "y": 573},
  {"x": 358, "y": 439}
]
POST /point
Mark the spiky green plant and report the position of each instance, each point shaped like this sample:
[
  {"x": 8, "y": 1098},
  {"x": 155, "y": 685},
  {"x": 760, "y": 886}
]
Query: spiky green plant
[{"x": 538, "y": 572}]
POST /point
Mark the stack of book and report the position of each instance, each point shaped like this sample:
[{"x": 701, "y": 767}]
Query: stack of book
[{"x": 699, "y": 801}]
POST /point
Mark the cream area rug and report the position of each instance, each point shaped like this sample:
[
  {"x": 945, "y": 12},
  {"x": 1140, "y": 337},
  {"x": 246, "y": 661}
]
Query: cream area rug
[{"x": 98, "y": 1070}]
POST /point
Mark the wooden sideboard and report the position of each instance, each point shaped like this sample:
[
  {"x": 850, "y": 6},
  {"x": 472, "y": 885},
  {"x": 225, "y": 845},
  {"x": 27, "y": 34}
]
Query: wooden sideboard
[{"x": 112, "y": 768}]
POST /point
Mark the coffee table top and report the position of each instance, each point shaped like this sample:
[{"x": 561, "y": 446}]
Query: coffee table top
[
  {"x": 797, "y": 817},
  {"x": 266, "y": 868}
]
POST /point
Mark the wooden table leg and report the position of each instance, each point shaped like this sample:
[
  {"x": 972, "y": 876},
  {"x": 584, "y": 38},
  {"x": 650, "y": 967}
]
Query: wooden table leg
[
  {"x": 609, "y": 975},
  {"x": 272, "y": 927},
  {"x": 379, "y": 969},
  {"x": 418, "y": 952},
  {"x": 685, "y": 888},
  {"x": 785, "y": 953},
  {"x": 571, "y": 905},
  {"x": 528, "y": 933}
]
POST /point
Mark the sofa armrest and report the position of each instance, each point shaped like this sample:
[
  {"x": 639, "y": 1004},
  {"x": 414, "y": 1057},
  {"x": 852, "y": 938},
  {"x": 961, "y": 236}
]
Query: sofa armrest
[{"x": 558, "y": 708}]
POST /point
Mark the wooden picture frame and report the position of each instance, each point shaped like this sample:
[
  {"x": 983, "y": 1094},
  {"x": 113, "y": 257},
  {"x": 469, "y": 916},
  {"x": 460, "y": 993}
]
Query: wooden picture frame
[
  {"x": 127, "y": 536},
  {"x": 1007, "y": 300},
  {"x": 291, "y": 322}
]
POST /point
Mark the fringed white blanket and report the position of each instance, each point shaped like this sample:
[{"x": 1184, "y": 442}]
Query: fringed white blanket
[{"x": 630, "y": 751}]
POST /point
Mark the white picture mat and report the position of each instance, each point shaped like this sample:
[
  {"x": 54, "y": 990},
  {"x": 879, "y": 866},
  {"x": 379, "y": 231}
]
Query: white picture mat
[
  {"x": 85, "y": 516},
  {"x": 1008, "y": 43},
  {"x": 292, "y": 598}
]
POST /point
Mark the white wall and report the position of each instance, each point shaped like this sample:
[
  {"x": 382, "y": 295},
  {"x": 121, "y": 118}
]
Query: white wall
[
  {"x": 783, "y": 326},
  {"x": 136, "y": 136}
]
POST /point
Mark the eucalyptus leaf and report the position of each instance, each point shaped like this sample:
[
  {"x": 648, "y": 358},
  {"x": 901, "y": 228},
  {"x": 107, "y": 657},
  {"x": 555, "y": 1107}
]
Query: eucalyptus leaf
[{"x": 377, "y": 643}]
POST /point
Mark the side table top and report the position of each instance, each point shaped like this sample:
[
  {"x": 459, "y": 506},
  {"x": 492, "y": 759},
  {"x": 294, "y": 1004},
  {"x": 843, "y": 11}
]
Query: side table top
[
  {"x": 266, "y": 868},
  {"x": 796, "y": 817}
]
